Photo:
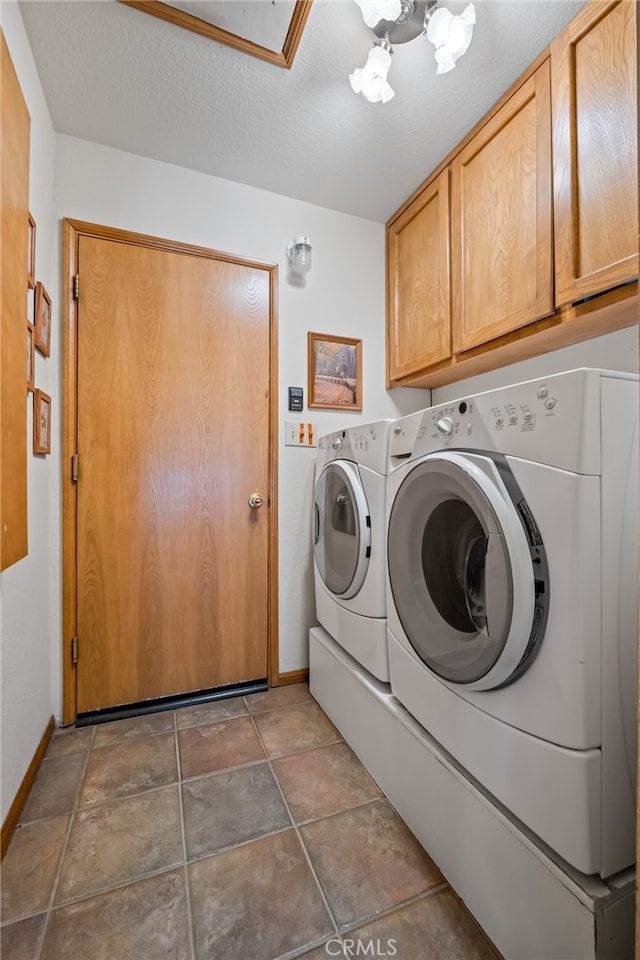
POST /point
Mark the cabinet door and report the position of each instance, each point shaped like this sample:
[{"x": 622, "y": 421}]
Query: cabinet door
[
  {"x": 418, "y": 286},
  {"x": 501, "y": 220},
  {"x": 14, "y": 218},
  {"x": 595, "y": 146}
]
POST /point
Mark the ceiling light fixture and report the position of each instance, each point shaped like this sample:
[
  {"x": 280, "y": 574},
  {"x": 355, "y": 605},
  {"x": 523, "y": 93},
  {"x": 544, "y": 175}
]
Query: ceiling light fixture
[
  {"x": 398, "y": 21},
  {"x": 299, "y": 255}
]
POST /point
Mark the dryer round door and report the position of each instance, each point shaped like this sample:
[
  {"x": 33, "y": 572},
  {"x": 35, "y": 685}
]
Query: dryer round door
[
  {"x": 342, "y": 529},
  {"x": 461, "y": 571}
]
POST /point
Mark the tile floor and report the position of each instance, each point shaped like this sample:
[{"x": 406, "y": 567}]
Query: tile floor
[{"x": 244, "y": 829}]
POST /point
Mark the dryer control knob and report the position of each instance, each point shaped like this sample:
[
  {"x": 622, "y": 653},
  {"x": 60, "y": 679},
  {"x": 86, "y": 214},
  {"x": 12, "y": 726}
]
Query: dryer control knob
[
  {"x": 337, "y": 443},
  {"x": 446, "y": 426}
]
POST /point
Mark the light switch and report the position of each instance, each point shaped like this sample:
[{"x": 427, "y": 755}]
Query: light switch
[{"x": 299, "y": 434}]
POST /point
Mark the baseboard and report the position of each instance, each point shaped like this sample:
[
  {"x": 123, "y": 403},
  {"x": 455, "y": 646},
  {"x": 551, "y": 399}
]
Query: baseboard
[
  {"x": 21, "y": 797},
  {"x": 293, "y": 676}
]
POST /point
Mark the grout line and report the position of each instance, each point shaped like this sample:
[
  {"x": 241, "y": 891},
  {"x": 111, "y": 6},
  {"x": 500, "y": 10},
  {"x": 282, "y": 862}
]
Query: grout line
[
  {"x": 300, "y": 840},
  {"x": 65, "y": 847},
  {"x": 183, "y": 834},
  {"x": 374, "y": 917}
]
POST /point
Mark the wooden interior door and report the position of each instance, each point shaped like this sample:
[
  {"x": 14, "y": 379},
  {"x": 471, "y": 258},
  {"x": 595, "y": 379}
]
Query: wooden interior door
[{"x": 172, "y": 439}]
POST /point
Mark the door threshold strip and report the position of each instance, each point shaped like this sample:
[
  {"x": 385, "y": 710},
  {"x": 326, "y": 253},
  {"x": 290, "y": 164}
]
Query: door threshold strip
[{"x": 171, "y": 703}]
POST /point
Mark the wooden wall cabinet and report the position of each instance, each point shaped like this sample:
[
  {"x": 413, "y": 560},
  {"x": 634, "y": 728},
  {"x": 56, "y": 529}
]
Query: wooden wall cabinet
[
  {"x": 418, "y": 283},
  {"x": 15, "y": 125},
  {"x": 502, "y": 220},
  {"x": 543, "y": 217},
  {"x": 595, "y": 147}
]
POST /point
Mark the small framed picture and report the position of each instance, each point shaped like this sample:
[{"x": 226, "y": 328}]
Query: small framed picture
[
  {"x": 31, "y": 253},
  {"x": 334, "y": 372},
  {"x": 31, "y": 357},
  {"x": 43, "y": 320},
  {"x": 41, "y": 422}
]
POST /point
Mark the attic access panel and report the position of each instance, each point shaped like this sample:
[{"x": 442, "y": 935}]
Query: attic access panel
[{"x": 268, "y": 29}]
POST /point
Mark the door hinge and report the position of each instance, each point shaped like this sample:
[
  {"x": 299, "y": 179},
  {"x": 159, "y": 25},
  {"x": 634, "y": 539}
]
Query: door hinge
[
  {"x": 74, "y": 649},
  {"x": 74, "y": 467},
  {"x": 75, "y": 284}
]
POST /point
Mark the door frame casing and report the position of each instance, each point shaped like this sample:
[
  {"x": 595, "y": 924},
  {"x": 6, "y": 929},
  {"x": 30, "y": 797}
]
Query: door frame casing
[{"x": 72, "y": 231}]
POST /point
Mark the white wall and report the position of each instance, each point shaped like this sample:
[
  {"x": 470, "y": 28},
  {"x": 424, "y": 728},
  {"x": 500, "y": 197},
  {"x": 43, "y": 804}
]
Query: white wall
[
  {"x": 29, "y": 608},
  {"x": 614, "y": 351},
  {"x": 343, "y": 294}
]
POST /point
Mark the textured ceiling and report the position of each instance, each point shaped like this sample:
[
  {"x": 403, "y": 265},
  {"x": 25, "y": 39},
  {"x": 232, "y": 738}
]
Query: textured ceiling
[{"x": 119, "y": 77}]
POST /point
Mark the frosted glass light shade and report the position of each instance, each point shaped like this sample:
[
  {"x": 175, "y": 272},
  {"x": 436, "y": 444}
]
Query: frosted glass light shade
[
  {"x": 373, "y": 11},
  {"x": 299, "y": 254},
  {"x": 450, "y": 35},
  {"x": 371, "y": 80}
]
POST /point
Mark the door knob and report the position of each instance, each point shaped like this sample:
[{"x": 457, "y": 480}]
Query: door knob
[{"x": 255, "y": 501}]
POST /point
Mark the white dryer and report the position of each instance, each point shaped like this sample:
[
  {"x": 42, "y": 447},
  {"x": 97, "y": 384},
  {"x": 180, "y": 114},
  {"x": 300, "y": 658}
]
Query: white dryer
[
  {"x": 512, "y": 600},
  {"x": 349, "y": 541}
]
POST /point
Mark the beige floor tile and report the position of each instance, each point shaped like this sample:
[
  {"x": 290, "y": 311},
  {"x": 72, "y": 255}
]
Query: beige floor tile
[
  {"x": 22, "y": 940},
  {"x": 134, "y": 727},
  {"x": 331, "y": 949},
  {"x": 367, "y": 861},
  {"x": 318, "y": 783},
  {"x": 277, "y": 697},
  {"x": 113, "y": 843},
  {"x": 230, "y": 808},
  {"x": 70, "y": 740},
  {"x": 297, "y": 727},
  {"x": 129, "y": 767},
  {"x": 256, "y": 901},
  {"x": 211, "y": 712},
  {"x": 146, "y": 920},
  {"x": 216, "y": 746},
  {"x": 30, "y": 866},
  {"x": 432, "y": 928},
  {"x": 55, "y": 788}
]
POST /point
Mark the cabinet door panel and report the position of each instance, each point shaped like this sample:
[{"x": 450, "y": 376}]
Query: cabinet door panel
[
  {"x": 595, "y": 151},
  {"x": 419, "y": 311},
  {"x": 501, "y": 227},
  {"x": 15, "y": 126}
]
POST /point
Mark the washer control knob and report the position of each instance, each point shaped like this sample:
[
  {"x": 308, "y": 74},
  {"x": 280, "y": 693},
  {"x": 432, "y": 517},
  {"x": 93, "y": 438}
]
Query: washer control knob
[
  {"x": 513, "y": 418},
  {"x": 542, "y": 391},
  {"x": 337, "y": 443},
  {"x": 397, "y": 429},
  {"x": 446, "y": 426}
]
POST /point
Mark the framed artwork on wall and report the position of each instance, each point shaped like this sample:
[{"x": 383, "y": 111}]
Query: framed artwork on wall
[
  {"x": 41, "y": 422},
  {"x": 43, "y": 320},
  {"x": 31, "y": 253},
  {"x": 334, "y": 372},
  {"x": 31, "y": 359}
]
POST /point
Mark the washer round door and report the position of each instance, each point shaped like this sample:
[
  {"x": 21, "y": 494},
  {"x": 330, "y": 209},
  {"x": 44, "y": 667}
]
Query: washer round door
[
  {"x": 342, "y": 529},
  {"x": 461, "y": 571}
]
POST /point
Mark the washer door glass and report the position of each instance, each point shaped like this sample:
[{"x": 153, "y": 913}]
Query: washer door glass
[
  {"x": 342, "y": 529},
  {"x": 460, "y": 570}
]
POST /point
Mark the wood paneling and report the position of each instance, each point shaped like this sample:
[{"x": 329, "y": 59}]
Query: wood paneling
[
  {"x": 418, "y": 283},
  {"x": 174, "y": 406},
  {"x": 501, "y": 224},
  {"x": 595, "y": 145},
  {"x": 14, "y": 223}
]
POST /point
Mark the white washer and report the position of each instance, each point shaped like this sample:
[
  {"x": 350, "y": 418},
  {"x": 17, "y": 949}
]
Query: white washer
[
  {"x": 512, "y": 600},
  {"x": 349, "y": 541}
]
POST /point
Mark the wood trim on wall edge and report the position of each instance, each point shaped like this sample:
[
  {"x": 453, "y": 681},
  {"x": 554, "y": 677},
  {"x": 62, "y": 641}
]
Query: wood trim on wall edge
[
  {"x": 15, "y": 810},
  {"x": 293, "y": 676},
  {"x": 73, "y": 229}
]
